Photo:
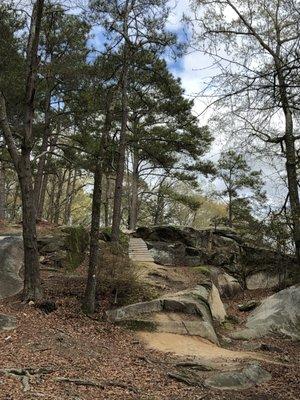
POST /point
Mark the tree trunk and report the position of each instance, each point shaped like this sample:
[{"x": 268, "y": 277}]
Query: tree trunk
[
  {"x": 68, "y": 198},
  {"x": 61, "y": 180},
  {"x": 106, "y": 202},
  {"x": 230, "y": 210},
  {"x": 32, "y": 285},
  {"x": 51, "y": 205},
  {"x": 71, "y": 198},
  {"x": 291, "y": 162},
  {"x": 90, "y": 290},
  {"x": 134, "y": 191},
  {"x": 41, "y": 204},
  {"x": 159, "y": 212},
  {"x": 2, "y": 193},
  {"x": 291, "y": 169},
  {"x": 117, "y": 213},
  {"x": 38, "y": 184},
  {"x": 14, "y": 205}
]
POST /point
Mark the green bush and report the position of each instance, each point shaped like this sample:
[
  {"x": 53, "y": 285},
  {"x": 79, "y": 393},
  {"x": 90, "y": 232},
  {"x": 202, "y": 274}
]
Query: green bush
[{"x": 76, "y": 243}]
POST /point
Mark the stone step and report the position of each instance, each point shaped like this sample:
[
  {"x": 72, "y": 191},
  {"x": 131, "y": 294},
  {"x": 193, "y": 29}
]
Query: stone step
[{"x": 138, "y": 251}]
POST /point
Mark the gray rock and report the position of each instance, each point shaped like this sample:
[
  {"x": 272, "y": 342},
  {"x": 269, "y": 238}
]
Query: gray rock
[
  {"x": 7, "y": 322},
  {"x": 279, "y": 313},
  {"x": 238, "y": 380},
  {"x": 134, "y": 310},
  {"x": 11, "y": 258},
  {"x": 262, "y": 280},
  {"x": 228, "y": 285},
  {"x": 249, "y": 305},
  {"x": 162, "y": 256}
]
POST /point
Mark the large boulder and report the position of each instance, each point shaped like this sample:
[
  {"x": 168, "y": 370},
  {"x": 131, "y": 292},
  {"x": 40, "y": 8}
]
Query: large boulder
[
  {"x": 279, "y": 313},
  {"x": 189, "y": 312},
  {"x": 11, "y": 259}
]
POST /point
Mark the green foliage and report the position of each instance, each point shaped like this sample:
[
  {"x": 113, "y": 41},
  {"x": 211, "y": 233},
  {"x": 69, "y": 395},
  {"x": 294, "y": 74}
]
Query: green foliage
[
  {"x": 123, "y": 244},
  {"x": 202, "y": 269},
  {"x": 76, "y": 243},
  {"x": 242, "y": 186}
]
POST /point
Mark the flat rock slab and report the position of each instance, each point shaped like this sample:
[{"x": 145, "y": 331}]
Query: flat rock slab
[
  {"x": 249, "y": 376},
  {"x": 7, "y": 322}
]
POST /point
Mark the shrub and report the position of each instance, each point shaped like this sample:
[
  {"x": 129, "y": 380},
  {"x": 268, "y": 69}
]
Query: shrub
[
  {"x": 117, "y": 277},
  {"x": 76, "y": 243}
]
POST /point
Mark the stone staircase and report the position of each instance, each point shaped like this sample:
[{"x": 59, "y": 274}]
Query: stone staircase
[{"x": 138, "y": 250}]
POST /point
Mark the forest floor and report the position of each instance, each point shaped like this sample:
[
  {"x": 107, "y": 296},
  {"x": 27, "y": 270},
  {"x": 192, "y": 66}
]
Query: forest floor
[{"x": 67, "y": 344}]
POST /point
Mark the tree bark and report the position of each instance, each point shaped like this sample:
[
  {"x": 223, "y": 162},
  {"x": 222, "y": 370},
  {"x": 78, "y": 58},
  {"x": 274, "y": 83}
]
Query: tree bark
[
  {"x": 291, "y": 159},
  {"x": 88, "y": 305},
  {"x": 117, "y": 212},
  {"x": 159, "y": 212},
  {"x": 291, "y": 168},
  {"x": 90, "y": 291},
  {"x": 68, "y": 198},
  {"x": 71, "y": 198},
  {"x": 2, "y": 193},
  {"x": 45, "y": 180},
  {"x": 134, "y": 191},
  {"x": 106, "y": 202},
  {"x": 230, "y": 209},
  {"x": 51, "y": 205},
  {"x": 14, "y": 205},
  {"x": 38, "y": 183},
  {"x": 57, "y": 204},
  {"x": 32, "y": 286},
  {"x": 41, "y": 204}
]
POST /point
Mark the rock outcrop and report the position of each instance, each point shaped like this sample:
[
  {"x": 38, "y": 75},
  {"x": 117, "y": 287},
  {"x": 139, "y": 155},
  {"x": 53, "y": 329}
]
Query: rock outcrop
[
  {"x": 279, "y": 313},
  {"x": 254, "y": 267},
  {"x": 189, "y": 312}
]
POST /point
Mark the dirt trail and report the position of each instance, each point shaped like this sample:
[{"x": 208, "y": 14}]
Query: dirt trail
[{"x": 192, "y": 346}]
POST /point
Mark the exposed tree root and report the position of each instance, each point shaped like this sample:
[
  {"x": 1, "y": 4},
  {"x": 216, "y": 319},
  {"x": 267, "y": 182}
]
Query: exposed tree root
[
  {"x": 24, "y": 374},
  {"x": 99, "y": 384},
  {"x": 188, "y": 380}
]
